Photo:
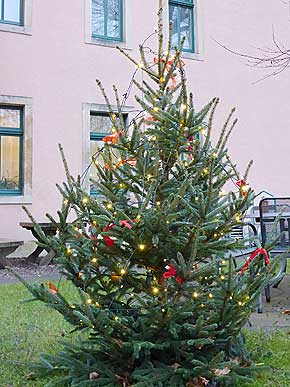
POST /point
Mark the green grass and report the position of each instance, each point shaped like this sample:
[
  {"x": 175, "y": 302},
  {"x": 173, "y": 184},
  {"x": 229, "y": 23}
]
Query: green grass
[{"x": 28, "y": 329}]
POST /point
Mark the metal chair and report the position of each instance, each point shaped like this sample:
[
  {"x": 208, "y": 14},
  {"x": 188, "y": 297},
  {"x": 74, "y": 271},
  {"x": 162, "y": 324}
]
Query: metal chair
[{"x": 274, "y": 218}]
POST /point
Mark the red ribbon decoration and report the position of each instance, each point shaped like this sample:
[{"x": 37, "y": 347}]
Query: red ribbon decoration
[
  {"x": 171, "y": 272},
  {"x": 112, "y": 138},
  {"x": 258, "y": 251},
  {"x": 241, "y": 184},
  {"x": 130, "y": 161},
  {"x": 124, "y": 223}
]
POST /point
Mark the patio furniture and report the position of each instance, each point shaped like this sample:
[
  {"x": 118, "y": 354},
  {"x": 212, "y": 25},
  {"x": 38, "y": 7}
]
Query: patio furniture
[
  {"x": 49, "y": 230},
  {"x": 7, "y": 246},
  {"x": 274, "y": 218}
]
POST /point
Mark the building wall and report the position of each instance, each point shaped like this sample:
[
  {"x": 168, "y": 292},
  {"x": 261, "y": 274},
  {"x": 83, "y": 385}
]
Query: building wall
[{"x": 56, "y": 66}]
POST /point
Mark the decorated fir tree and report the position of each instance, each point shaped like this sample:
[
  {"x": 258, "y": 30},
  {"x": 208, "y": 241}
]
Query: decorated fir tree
[{"x": 161, "y": 302}]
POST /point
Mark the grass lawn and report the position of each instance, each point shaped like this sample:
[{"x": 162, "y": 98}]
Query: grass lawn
[{"x": 29, "y": 329}]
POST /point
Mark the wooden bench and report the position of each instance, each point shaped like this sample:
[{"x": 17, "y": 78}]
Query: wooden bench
[
  {"x": 7, "y": 246},
  {"x": 49, "y": 230}
]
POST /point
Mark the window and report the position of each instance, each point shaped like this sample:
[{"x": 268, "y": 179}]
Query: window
[
  {"x": 182, "y": 16},
  {"x": 100, "y": 126},
  {"x": 11, "y": 144},
  {"x": 11, "y": 12},
  {"x": 107, "y": 19}
]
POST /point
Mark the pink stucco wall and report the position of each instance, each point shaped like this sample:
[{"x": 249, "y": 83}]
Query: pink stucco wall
[{"x": 58, "y": 69}]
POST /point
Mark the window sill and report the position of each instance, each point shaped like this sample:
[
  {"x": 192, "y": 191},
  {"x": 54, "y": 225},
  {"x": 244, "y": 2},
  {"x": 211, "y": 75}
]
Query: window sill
[
  {"x": 192, "y": 56},
  {"x": 107, "y": 43},
  {"x": 15, "y": 29},
  {"x": 21, "y": 199}
]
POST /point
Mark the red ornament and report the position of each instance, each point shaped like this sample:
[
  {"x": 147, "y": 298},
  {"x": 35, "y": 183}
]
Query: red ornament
[
  {"x": 109, "y": 241},
  {"x": 253, "y": 256}
]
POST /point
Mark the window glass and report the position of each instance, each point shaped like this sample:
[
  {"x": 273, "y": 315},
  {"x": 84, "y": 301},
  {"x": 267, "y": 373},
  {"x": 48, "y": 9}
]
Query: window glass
[
  {"x": 9, "y": 118},
  {"x": 181, "y": 16},
  {"x": 173, "y": 16},
  {"x": 100, "y": 124},
  {"x": 12, "y": 10},
  {"x": 9, "y": 162},
  {"x": 113, "y": 23},
  {"x": 185, "y": 26},
  {"x": 98, "y": 17},
  {"x": 107, "y": 19}
]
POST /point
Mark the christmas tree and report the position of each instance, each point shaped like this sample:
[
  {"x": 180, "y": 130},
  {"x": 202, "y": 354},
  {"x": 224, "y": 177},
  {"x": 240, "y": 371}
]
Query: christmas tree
[{"x": 161, "y": 301}]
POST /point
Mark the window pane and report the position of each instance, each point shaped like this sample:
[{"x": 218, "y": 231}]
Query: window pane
[
  {"x": 98, "y": 12},
  {"x": 12, "y": 10},
  {"x": 100, "y": 124},
  {"x": 9, "y": 162},
  {"x": 173, "y": 16},
  {"x": 94, "y": 146},
  {"x": 186, "y": 26},
  {"x": 9, "y": 118},
  {"x": 113, "y": 21}
]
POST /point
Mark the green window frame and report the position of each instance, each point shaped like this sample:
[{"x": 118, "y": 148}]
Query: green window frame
[
  {"x": 107, "y": 21},
  {"x": 12, "y": 133},
  {"x": 179, "y": 12},
  {"x": 15, "y": 6},
  {"x": 98, "y": 136}
]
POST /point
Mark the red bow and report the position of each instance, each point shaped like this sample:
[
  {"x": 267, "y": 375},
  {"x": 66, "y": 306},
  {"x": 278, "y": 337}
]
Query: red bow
[
  {"x": 258, "y": 251},
  {"x": 242, "y": 185},
  {"x": 112, "y": 138},
  {"x": 131, "y": 162},
  {"x": 109, "y": 241},
  {"x": 171, "y": 272}
]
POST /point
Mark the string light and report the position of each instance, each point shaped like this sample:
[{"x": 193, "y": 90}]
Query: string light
[
  {"x": 183, "y": 106},
  {"x": 116, "y": 318},
  {"x": 158, "y": 203},
  {"x": 85, "y": 200},
  {"x": 65, "y": 201},
  {"x": 155, "y": 290},
  {"x": 89, "y": 301},
  {"x": 138, "y": 217},
  {"x": 156, "y": 108},
  {"x": 163, "y": 310},
  {"x": 113, "y": 116},
  {"x": 210, "y": 295},
  {"x": 94, "y": 260},
  {"x": 97, "y": 304},
  {"x": 222, "y": 277},
  {"x": 109, "y": 206},
  {"x": 123, "y": 271},
  {"x": 121, "y": 185},
  {"x": 195, "y": 295},
  {"x": 94, "y": 223},
  {"x": 141, "y": 247},
  {"x": 238, "y": 217}
]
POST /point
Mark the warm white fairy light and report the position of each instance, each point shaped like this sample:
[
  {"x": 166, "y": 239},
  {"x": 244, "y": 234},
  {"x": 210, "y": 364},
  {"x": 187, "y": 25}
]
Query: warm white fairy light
[
  {"x": 210, "y": 295},
  {"x": 183, "y": 106},
  {"x": 85, "y": 200},
  {"x": 195, "y": 295},
  {"x": 122, "y": 271},
  {"x": 109, "y": 206},
  {"x": 89, "y": 301},
  {"x": 94, "y": 260},
  {"x": 141, "y": 247},
  {"x": 156, "y": 108},
  {"x": 222, "y": 277},
  {"x": 155, "y": 290}
]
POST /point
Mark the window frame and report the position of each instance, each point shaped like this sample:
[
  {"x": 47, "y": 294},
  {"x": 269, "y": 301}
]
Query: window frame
[
  {"x": 189, "y": 4},
  {"x": 19, "y": 133},
  {"x": 105, "y": 37},
  {"x": 21, "y": 14}
]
